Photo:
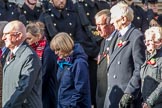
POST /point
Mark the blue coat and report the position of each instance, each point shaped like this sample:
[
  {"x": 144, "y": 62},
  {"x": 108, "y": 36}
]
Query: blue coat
[
  {"x": 50, "y": 85},
  {"x": 74, "y": 88}
]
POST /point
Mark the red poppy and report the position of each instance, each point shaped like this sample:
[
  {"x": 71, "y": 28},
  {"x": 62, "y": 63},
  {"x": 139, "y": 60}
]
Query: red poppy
[
  {"x": 120, "y": 43},
  {"x": 152, "y": 61}
]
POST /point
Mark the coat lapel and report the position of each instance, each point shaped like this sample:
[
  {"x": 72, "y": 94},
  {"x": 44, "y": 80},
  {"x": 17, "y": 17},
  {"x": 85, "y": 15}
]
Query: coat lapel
[
  {"x": 113, "y": 42},
  {"x": 115, "y": 52},
  {"x": 17, "y": 55}
]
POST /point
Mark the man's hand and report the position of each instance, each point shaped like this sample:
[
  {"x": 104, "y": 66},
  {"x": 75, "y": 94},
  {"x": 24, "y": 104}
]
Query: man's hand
[{"x": 126, "y": 101}]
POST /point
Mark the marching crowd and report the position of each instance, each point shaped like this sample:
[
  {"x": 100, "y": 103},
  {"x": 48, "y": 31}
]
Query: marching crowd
[{"x": 82, "y": 54}]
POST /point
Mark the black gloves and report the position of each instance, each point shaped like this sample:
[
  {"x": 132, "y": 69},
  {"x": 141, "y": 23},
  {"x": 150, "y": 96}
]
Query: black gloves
[{"x": 126, "y": 101}]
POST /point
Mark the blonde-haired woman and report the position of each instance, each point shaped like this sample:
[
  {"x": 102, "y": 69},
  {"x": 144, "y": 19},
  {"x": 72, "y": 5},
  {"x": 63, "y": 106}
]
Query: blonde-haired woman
[
  {"x": 36, "y": 39},
  {"x": 72, "y": 74},
  {"x": 151, "y": 71}
]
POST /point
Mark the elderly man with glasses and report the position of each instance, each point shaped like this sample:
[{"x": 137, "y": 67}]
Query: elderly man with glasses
[{"x": 22, "y": 79}]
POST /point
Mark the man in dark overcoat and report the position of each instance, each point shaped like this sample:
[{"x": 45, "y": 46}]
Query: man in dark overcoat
[
  {"x": 126, "y": 57},
  {"x": 105, "y": 30}
]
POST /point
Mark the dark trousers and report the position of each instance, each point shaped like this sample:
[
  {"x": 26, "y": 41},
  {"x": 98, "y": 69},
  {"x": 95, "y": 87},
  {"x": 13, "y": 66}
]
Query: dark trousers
[{"x": 93, "y": 79}]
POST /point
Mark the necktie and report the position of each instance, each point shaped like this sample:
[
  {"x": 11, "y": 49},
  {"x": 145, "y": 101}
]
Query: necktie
[
  {"x": 11, "y": 55},
  {"x": 118, "y": 39}
]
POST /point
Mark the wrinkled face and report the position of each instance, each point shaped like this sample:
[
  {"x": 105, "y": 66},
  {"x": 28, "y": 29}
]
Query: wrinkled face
[
  {"x": 116, "y": 20},
  {"x": 59, "y": 4},
  {"x": 149, "y": 42},
  {"x": 103, "y": 27},
  {"x": 30, "y": 39},
  {"x": 10, "y": 38}
]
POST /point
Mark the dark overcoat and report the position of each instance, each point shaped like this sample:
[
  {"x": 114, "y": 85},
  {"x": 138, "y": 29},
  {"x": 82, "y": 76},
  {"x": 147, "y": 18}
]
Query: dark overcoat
[
  {"x": 102, "y": 63},
  {"x": 50, "y": 85},
  {"x": 124, "y": 67}
]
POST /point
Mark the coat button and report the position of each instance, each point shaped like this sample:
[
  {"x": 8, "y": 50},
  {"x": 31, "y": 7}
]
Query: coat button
[
  {"x": 70, "y": 24},
  {"x": 12, "y": 13},
  {"x": 107, "y": 74},
  {"x": 52, "y": 15},
  {"x": 114, "y": 76},
  {"x": 138, "y": 18},
  {"x": 119, "y": 62},
  {"x": 87, "y": 13},
  {"x": 24, "y": 12},
  {"x": 108, "y": 88}
]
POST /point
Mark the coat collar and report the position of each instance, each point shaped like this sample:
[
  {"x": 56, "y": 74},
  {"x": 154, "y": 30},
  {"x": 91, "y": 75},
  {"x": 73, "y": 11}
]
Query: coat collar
[
  {"x": 17, "y": 54},
  {"x": 114, "y": 52}
]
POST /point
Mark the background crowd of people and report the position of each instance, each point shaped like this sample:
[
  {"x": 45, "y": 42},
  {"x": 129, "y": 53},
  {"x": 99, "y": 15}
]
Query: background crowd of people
[{"x": 80, "y": 54}]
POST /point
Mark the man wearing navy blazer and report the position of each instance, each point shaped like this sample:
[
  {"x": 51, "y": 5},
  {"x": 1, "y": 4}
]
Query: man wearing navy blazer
[
  {"x": 126, "y": 57},
  {"x": 22, "y": 79}
]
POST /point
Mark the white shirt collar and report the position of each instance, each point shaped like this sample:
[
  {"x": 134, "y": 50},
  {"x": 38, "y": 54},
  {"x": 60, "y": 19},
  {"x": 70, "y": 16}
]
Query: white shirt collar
[
  {"x": 110, "y": 37},
  {"x": 123, "y": 31},
  {"x": 14, "y": 50}
]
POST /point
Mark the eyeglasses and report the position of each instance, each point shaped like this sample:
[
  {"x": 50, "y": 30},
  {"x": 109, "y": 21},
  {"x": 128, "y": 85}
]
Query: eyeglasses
[{"x": 11, "y": 33}]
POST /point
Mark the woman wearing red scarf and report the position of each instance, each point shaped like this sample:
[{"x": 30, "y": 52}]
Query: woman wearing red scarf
[{"x": 37, "y": 40}]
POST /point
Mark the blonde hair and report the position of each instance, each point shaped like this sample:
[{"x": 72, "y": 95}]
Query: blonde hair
[
  {"x": 122, "y": 9},
  {"x": 62, "y": 41},
  {"x": 35, "y": 28}
]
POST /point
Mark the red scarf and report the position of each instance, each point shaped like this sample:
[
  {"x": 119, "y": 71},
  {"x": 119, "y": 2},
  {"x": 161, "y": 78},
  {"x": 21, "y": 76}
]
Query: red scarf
[{"x": 39, "y": 47}]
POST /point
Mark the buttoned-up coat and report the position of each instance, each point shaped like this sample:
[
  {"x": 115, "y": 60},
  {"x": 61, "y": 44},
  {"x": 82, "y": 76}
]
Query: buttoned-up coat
[
  {"x": 22, "y": 80},
  {"x": 124, "y": 67}
]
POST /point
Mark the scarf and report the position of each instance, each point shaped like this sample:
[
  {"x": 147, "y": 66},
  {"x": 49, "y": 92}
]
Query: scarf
[
  {"x": 64, "y": 62},
  {"x": 39, "y": 47}
]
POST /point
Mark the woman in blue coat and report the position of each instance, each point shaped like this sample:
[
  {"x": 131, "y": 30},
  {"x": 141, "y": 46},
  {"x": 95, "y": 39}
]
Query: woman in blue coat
[{"x": 72, "y": 75}]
